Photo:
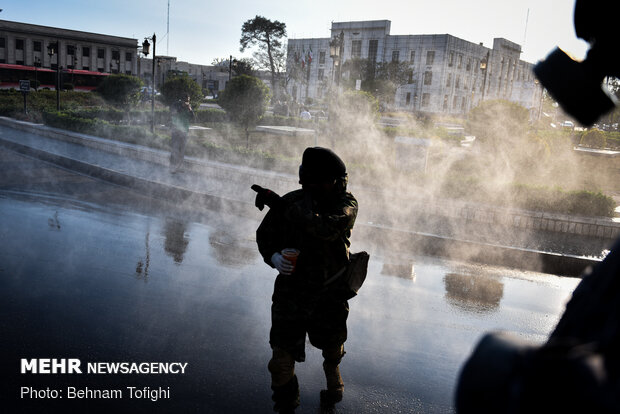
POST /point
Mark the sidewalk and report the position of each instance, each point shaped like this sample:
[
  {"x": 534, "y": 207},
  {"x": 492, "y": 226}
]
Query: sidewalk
[{"x": 218, "y": 185}]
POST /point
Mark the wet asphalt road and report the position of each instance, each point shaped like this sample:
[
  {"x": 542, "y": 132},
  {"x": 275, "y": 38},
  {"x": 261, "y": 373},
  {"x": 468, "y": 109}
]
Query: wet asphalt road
[{"x": 93, "y": 271}]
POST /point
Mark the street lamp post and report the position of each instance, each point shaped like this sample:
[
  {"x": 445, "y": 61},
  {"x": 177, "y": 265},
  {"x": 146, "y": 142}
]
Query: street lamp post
[
  {"x": 484, "y": 65},
  {"x": 145, "y": 49},
  {"x": 336, "y": 50}
]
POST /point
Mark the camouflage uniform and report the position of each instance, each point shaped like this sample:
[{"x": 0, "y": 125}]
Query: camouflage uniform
[
  {"x": 182, "y": 115},
  {"x": 321, "y": 231}
]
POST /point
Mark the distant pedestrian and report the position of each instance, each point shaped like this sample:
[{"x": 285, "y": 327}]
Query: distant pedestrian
[
  {"x": 305, "y": 114},
  {"x": 182, "y": 115}
]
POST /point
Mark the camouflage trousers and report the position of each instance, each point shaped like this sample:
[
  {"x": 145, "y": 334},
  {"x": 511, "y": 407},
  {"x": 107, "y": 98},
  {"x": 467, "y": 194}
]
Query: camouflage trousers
[
  {"x": 178, "y": 140},
  {"x": 296, "y": 312}
]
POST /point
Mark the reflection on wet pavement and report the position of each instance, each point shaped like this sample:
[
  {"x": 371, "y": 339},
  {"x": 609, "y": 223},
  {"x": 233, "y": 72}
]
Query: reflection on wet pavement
[
  {"x": 473, "y": 292},
  {"x": 232, "y": 250},
  {"x": 72, "y": 284},
  {"x": 176, "y": 239}
]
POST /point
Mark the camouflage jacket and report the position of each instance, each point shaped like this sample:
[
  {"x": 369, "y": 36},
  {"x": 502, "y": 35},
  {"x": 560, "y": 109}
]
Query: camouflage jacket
[
  {"x": 182, "y": 116},
  {"x": 321, "y": 231}
]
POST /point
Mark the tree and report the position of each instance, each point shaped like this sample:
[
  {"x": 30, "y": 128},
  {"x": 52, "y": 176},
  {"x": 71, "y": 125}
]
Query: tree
[
  {"x": 177, "y": 87},
  {"x": 381, "y": 79},
  {"x": 122, "y": 90},
  {"x": 245, "y": 100},
  {"x": 498, "y": 123},
  {"x": 267, "y": 35}
]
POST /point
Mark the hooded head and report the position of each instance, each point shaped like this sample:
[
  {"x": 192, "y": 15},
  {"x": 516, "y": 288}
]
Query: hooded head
[{"x": 321, "y": 167}]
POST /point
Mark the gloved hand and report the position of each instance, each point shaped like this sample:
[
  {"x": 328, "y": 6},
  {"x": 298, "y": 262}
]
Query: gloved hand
[
  {"x": 283, "y": 265},
  {"x": 264, "y": 197}
]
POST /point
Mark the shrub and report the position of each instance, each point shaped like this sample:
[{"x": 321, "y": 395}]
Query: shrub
[
  {"x": 122, "y": 90},
  {"x": 594, "y": 138},
  {"x": 210, "y": 115},
  {"x": 177, "y": 87}
]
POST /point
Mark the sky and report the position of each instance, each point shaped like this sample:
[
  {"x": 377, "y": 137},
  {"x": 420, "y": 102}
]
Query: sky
[{"x": 201, "y": 31}]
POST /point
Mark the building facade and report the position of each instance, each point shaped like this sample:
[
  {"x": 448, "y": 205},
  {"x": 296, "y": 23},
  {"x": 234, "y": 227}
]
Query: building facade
[
  {"x": 448, "y": 75},
  {"x": 27, "y": 44}
]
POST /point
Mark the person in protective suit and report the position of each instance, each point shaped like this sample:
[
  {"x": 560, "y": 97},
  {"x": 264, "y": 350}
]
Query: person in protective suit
[{"x": 316, "y": 220}]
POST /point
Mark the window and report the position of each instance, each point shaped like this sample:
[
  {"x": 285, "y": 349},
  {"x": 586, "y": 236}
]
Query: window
[
  {"x": 86, "y": 67},
  {"x": 101, "y": 54},
  {"x": 356, "y": 48},
  {"x": 476, "y": 65},
  {"x": 100, "y": 69},
  {"x": 412, "y": 57},
  {"x": 408, "y": 99},
  {"x": 457, "y": 83},
  {"x": 445, "y": 102},
  {"x": 430, "y": 57},
  {"x": 70, "y": 50},
  {"x": 321, "y": 74},
  {"x": 36, "y": 46},
  {"x": 428, "y": 77},
  {"x": 19, "y": 44},
  {"x": 19, "y": 62},
  {"x": 127, "y": 72},
  {"x": 449, "y": 80},
  {"x": 410, "y": 80},
  {"x": 321, "y": 58},
  {"x": 426, "y": 99},
  {"x": 373, "y": 46},
  {"x": 128, "y": 56},
  {"x": 468, "y": 67},
  {"x": 2, "y": 42},
  {"x": 395, "y": 55},
  {"x": 463, "y": 103},
  {"x": 451, "y": 59},
  {"x": 460, "y": 61},
  {"x": 116, "y": 55},
  {"x": 455, "y": 102},
  {"x": 85, "y": 51}
]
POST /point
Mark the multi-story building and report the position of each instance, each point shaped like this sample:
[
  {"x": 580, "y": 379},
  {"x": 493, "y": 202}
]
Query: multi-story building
[
  {"x": 447, "y": 75},
  {"x": 27, "y": 44}
]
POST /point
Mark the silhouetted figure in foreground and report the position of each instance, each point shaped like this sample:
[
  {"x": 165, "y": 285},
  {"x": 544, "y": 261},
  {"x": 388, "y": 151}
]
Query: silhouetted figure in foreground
[
  {"x": 317, "y": 222},
  {"x": 578, "y": 369}
]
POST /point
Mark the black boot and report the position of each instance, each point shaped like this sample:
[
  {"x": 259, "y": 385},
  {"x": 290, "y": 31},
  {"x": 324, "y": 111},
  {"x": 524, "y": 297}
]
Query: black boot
[{"x": 286, "y": 397}]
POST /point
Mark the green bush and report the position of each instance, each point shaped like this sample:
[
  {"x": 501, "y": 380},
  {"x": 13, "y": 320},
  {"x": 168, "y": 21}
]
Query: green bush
[
  {"x": 120, "y": 89},
  {"x": 210, "y": 115},
  {"x": 528, "y": 197},
  {"x": 177, "y": 87},
  {"x": 594, "y": 138},
  {"x": 126, "y": 133}
]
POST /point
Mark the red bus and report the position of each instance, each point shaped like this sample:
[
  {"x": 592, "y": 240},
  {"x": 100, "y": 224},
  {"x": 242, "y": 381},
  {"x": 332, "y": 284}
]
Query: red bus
[{"x": 82, "y": 80}]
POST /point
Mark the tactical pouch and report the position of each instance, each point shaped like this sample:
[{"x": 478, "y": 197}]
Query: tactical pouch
[{"x": 347, "y": 282}]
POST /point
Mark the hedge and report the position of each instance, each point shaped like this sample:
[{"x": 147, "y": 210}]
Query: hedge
[
  {"x": 535, "y": 198},
  {"x": 127, "y": 133}
]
